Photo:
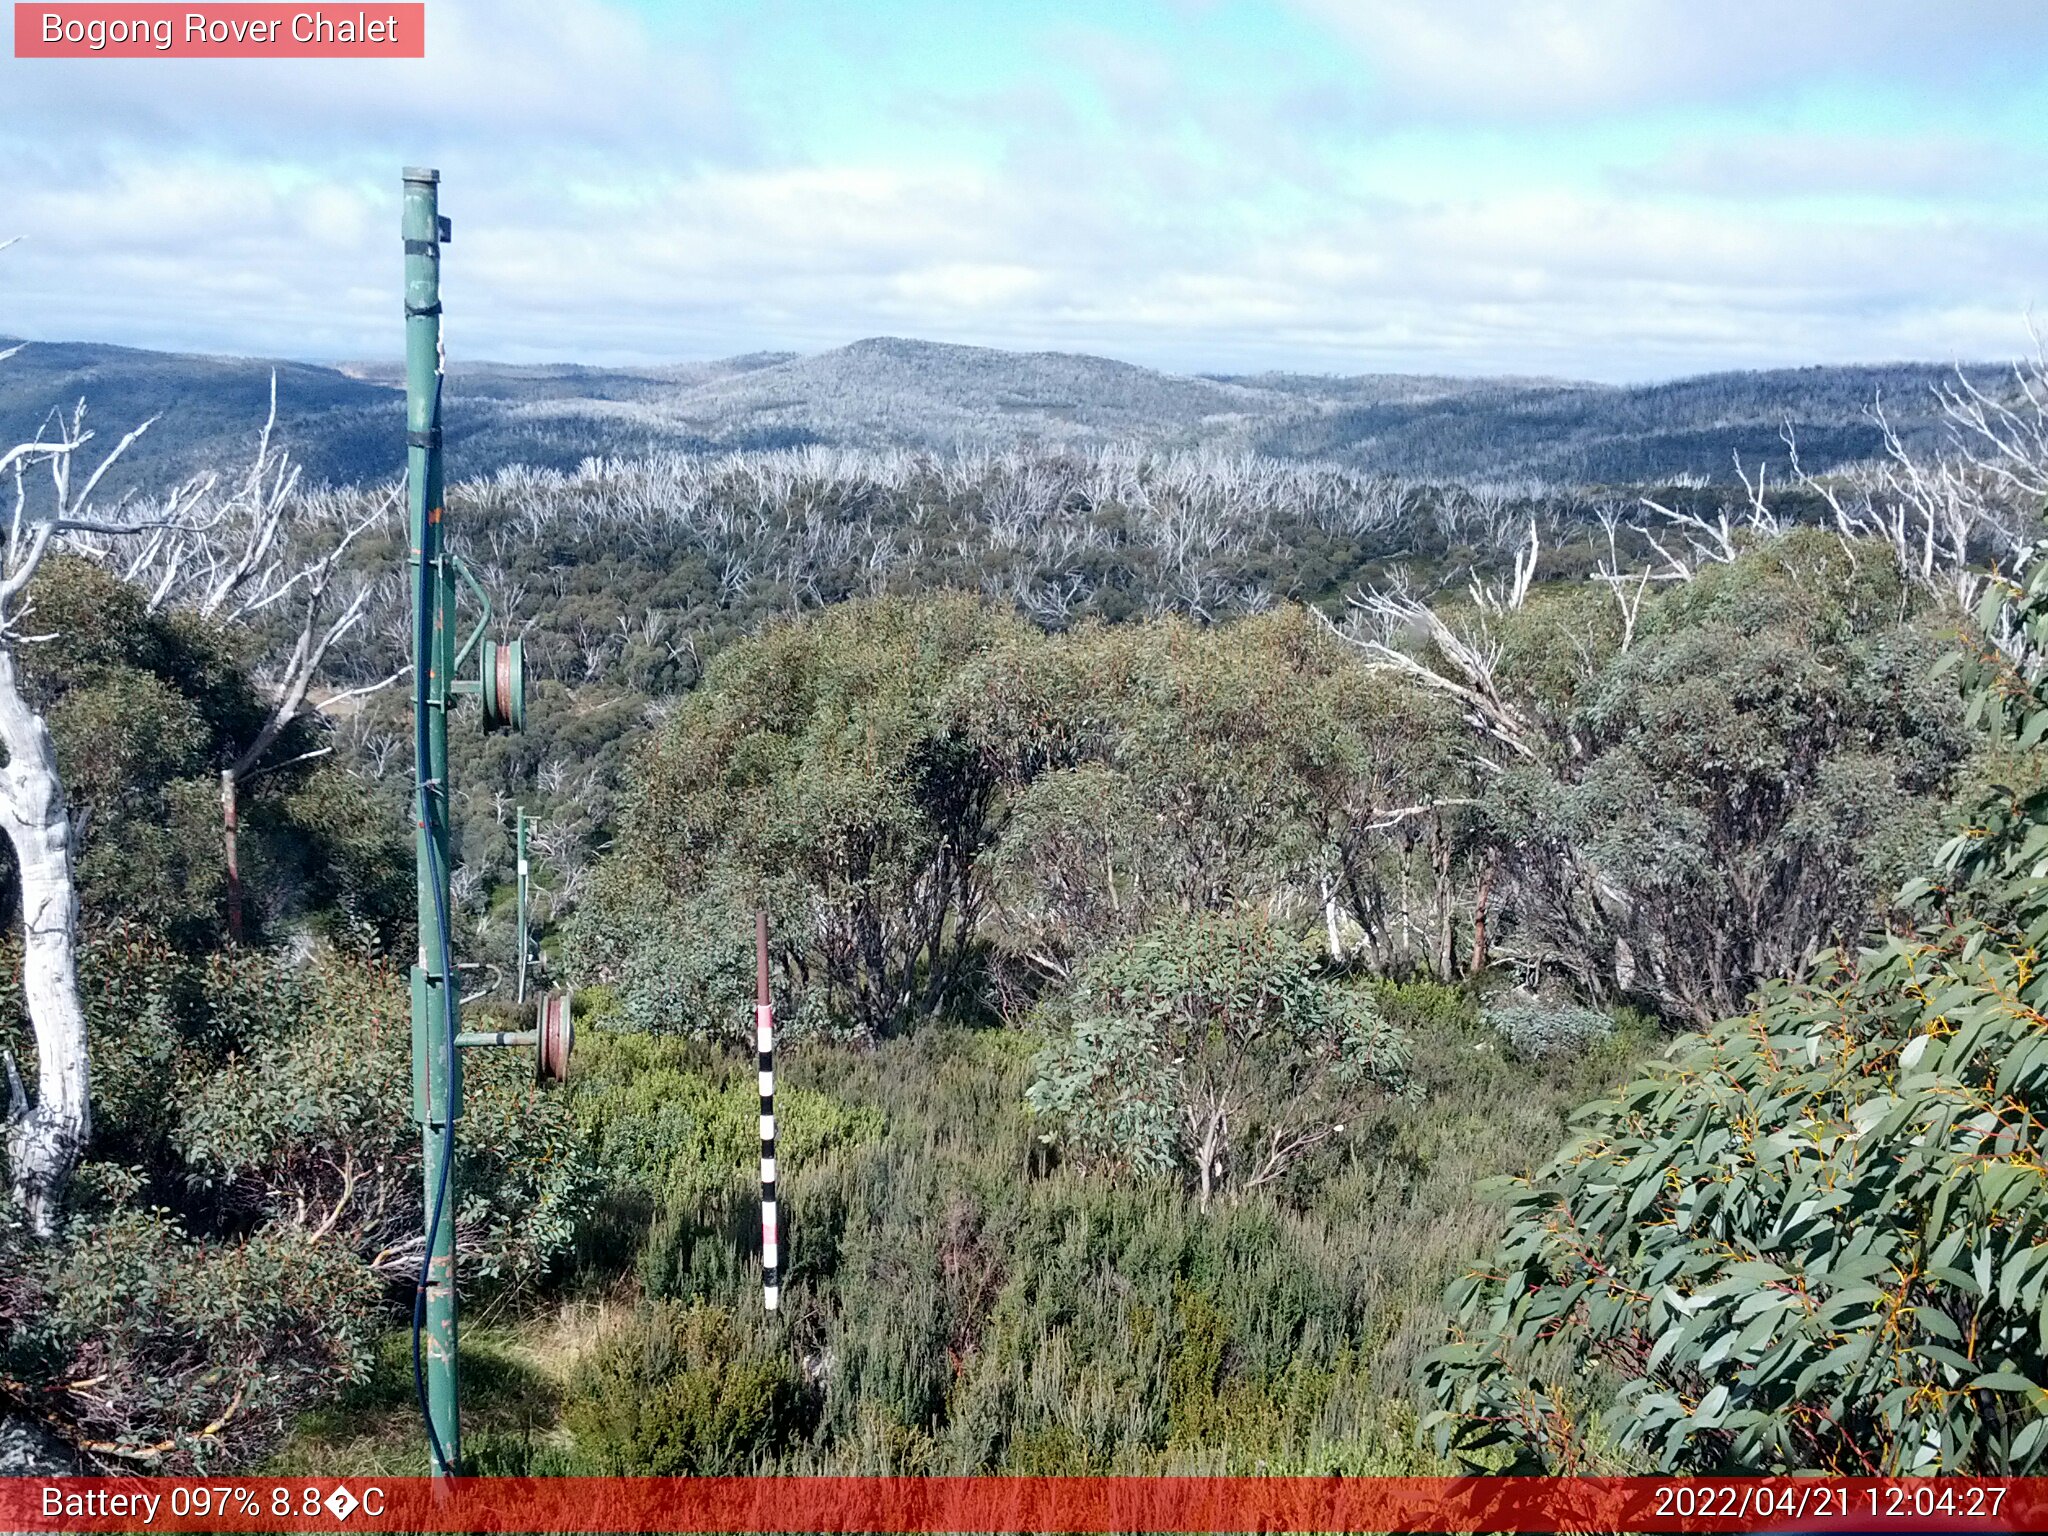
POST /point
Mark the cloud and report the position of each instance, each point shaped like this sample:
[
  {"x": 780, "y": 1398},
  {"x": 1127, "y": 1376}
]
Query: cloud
[
  {"x": 1480, "y": 60},
  {"x": 722, "y": 261},
  {"x": 1943, "y": 167},
  {"x": 532, "y": 74},
  {"x": 612, "y": 205}
]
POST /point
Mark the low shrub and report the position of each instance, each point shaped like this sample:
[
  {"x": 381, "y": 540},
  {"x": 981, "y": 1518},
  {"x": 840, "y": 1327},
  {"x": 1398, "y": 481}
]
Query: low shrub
[
  {"x": 148, "y": 1347},
  {"x": 671, "y": 1120},
  {"x": 1537, "y": 1029},
  {"x": 1213, "y": 1048},
  {"x": 685, "y": 1391},
  {"x": 256, "y": 1188}
]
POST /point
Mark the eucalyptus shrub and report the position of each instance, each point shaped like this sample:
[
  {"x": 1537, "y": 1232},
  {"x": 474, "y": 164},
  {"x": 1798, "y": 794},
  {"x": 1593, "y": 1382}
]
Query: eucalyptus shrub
[
  {"x": 145, "y": 709},
  {"x": 154, "y": 1348},
  {"x": 1211, "y": 1047},
  {"x": 1818, "y": 1237},
  {"x": 1538, "y": 1029},
  {"x": 815, "y": 775},
  {"x": 255, "y": 1195},
  {"x": 301, "y": 1125}
]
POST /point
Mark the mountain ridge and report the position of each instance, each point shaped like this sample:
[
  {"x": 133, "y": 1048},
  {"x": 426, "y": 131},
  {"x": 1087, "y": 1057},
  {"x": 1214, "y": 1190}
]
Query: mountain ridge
[{"x": 901, "y": 392}]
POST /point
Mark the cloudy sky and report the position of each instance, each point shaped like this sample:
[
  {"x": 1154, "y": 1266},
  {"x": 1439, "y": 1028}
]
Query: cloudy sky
[{"x": 1610, "y": 189}]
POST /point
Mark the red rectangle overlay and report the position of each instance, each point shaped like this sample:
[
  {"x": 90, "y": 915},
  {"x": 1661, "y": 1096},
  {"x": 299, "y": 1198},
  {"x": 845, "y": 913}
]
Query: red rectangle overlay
[
  {"x": 927, "y": 1505},
  {"x": 369, "y": 29}
]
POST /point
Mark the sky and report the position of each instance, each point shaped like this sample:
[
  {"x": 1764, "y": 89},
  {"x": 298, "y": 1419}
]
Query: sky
[{"x": 1617, "y": 190}]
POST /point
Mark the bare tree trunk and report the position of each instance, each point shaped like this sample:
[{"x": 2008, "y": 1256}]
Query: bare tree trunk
[
  {"x": 1406, "y": 962},
  {"x": 1334, "y": 934},
  {"x": 227, "y": 818},
  {"x": 1444, "y": 908},
  {"x": 1480, "y": 902},
  {"x": 1214, "y": 1130},
  {"x": 44, "y": 1139}
]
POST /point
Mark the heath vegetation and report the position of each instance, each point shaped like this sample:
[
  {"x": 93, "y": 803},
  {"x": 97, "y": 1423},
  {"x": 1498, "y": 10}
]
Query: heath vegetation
[{"x": 1285, "y": 966}]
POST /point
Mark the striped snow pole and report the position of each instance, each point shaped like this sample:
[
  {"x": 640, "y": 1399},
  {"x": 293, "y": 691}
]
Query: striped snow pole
[{"x": 764, "y": 1044}]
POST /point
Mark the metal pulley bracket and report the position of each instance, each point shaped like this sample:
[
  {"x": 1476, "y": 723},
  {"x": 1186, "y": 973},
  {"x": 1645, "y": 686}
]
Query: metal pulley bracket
[{"x": 500, "y": 684}]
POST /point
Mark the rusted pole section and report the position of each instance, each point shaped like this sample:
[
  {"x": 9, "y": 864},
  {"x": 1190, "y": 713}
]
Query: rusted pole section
[{"x": 764, "y": 1045}]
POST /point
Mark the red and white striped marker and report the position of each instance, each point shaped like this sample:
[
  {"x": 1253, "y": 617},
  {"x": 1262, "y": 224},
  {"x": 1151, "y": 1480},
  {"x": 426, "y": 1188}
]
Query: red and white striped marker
[{"x": 764, "y": 1046}]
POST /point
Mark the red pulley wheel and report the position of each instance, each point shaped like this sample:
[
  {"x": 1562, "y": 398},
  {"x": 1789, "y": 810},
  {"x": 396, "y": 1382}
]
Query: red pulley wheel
[
  {"x": 555, "y": 1037},
  {"x": 501, "y": 684}
]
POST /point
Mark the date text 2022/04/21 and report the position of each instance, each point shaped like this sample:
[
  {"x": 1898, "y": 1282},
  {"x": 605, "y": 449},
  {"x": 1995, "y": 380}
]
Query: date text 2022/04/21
[{"x": 1762, "y": 1505}]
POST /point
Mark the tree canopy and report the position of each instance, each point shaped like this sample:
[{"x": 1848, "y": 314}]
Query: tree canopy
[{"x": 1818, "y": 1237}]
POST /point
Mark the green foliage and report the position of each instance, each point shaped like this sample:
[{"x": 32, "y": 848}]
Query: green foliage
[
  {"x": 1212, "y": 1047},
  {"x": 679, "y": 1126},
  {"x": 811, "y": 775},
  {"x": 1539, "y": 1027},
  {"x": 966, "y": 1300},
  {"x": 140, "y": 708},
  {"x": 301, "y": 1123},
  {"x": 686, "y": 968},
  {"x": 1733, "y": 792},
  {"x": 687, "y": 1391},
  {"x": 1170, "y": 768},
  {"x": 144, "y": 711},
  {"x": 332, "y": 851},
  {"x": 946, "y": 808},
  {"x": 155, "y": 1346},
  {"x": 1420, "y": 1006},
  {"x": 1815, "y": 1240},
  {"x": 904, "y": 783},
  {"x": 256, "y": 1185}
]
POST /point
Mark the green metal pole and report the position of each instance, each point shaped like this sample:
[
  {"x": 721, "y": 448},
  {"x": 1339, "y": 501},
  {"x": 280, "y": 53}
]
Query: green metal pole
[{"x": 437, "y": 1068}]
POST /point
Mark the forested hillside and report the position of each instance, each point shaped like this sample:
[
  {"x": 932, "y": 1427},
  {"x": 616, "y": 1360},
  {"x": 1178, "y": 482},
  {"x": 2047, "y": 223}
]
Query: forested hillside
[
  {"x": 204, "y": 409},
  {"x": 1192, "y": 876},
  {"x": 887, "y": 393}
]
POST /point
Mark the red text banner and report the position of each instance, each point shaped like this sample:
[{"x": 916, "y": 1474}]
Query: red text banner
[
  {"x": 1022, "y": 1504},
  {"x": 230, "y": 31}
]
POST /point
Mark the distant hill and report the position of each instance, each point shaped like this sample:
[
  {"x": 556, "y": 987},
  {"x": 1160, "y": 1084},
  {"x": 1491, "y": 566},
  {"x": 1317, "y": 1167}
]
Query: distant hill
[
  {"x": 344, "y": 422},
  {"x": 210, "y": 408},
  {"x": 930, "y": 394},
  {"x": 1590, "y": 434}
]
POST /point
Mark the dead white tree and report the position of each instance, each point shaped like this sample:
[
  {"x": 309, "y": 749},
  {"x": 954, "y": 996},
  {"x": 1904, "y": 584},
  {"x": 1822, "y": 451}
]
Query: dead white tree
[
  {"x": 1628, "y": 588},
  {"x": 46, "y": 1134},
  {"x": 1401, "y": 633},
  {"x": 261, "y": 550},
  {"x": 1951, "y": 517},
  {"x": 1504, "y": 595}
]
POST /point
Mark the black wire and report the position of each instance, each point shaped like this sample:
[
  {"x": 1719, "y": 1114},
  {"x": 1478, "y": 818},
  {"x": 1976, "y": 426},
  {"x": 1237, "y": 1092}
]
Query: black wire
[{"x": 422, "y": 669}]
